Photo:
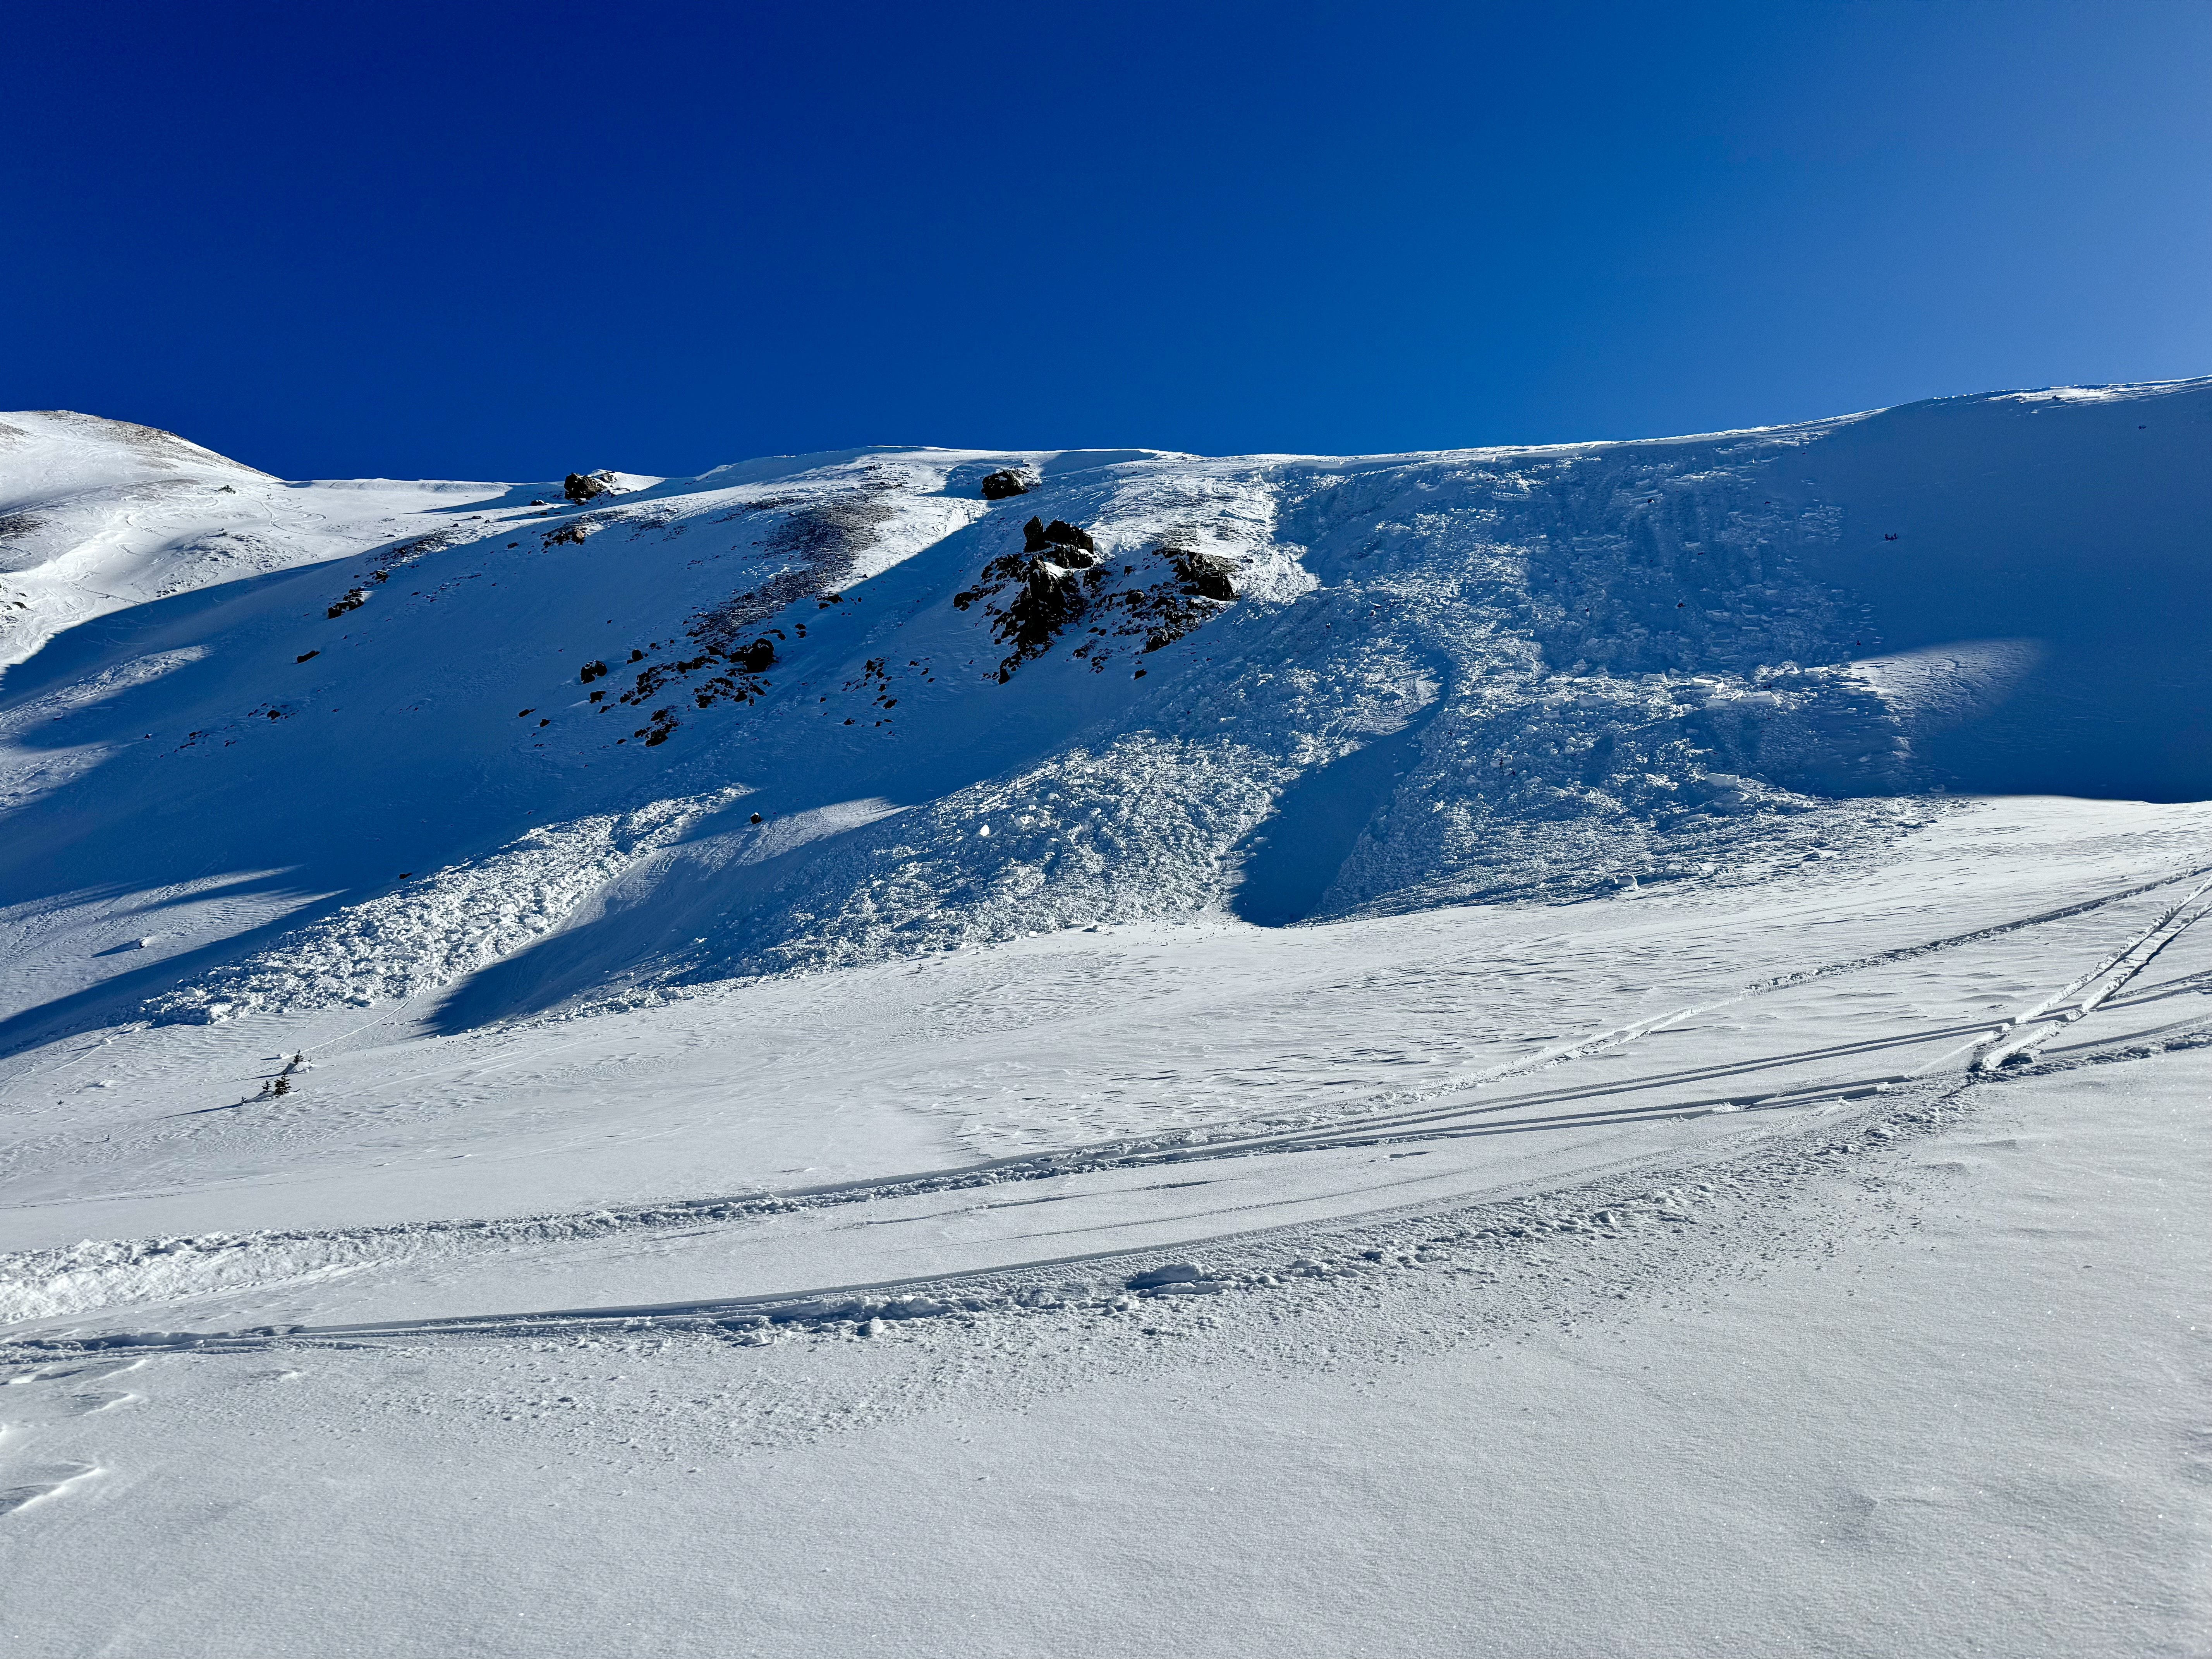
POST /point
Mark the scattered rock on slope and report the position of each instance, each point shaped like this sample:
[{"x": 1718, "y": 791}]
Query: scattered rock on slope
[
  {"x": 810, "y": 549},
  {"x": 1007, "y": 482},
  {"x": 584, "y": 486}
]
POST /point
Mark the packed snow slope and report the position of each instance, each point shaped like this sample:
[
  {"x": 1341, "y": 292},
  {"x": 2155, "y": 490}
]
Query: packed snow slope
[{"x": 480, "y": 749}]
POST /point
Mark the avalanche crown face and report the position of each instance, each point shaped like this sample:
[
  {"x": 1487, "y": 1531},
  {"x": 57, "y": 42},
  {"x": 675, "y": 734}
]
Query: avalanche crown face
[{"x": 493, "y": 749}]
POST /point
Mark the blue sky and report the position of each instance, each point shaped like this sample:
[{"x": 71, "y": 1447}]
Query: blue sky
[{"x": 504, "y": 241}]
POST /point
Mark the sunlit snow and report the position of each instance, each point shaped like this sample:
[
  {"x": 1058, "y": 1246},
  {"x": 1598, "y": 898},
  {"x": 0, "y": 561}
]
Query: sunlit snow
[{"x": 1626, "y": 1019}]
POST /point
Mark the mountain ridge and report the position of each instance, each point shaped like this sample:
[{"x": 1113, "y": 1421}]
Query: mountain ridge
[{"x": 1596, "y": 665}]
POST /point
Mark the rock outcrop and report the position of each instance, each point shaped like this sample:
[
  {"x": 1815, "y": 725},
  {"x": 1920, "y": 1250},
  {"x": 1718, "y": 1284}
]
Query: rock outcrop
[
  {"x": 1038, "y": 537},
  {"x": 1204, "y": 575}
]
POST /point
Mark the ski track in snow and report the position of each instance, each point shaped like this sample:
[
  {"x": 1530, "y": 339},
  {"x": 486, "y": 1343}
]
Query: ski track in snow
[{"x": 41, "y": 1287}]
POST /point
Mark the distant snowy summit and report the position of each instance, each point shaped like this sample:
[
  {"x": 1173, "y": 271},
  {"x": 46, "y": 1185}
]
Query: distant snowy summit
[{"x": 502, "y": 749}]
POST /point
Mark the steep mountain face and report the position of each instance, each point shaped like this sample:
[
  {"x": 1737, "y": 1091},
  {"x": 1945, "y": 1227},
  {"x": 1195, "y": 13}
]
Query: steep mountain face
[{"x": 490, "y": 751}]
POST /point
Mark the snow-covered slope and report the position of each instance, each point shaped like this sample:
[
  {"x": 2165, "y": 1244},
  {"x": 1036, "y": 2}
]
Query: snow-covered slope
[
  {"x": 1851, "y": 1225},
  {"x": 866, "y": 1048},
  {"x": 832, "y": 708},
  {"x": 97, "y": 515}
]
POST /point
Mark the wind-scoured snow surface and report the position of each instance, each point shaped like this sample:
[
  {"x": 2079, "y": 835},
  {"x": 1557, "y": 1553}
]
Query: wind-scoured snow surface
[
  {"x": 652, "y": 1071},
  {"x": 1414, "y": 680}
]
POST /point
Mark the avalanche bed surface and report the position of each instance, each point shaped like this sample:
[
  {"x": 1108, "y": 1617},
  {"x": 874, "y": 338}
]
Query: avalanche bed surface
[{"x": 1589, "y": 1049}]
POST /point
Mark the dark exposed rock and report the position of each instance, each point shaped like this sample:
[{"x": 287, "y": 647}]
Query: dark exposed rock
[
  {"x": 568, "y": 532},
  {"x": 1058, "y": 584},
  {"x": 756, "y": 657},
  {"x": 352, "y": 601},
  {"x": 1037, "y": 537},
  {"x": 591, "y": 670},
  {"x": 1206, "y": 575},
  {"x": 407, "y": 552},
  {"x": 583, "y": 486},
  {"x": 14, "y": 525},
  {"x": 1050, "y": 597},
  {"x": 1007, "y": 481},
  {"x": 664, "y": 723}
]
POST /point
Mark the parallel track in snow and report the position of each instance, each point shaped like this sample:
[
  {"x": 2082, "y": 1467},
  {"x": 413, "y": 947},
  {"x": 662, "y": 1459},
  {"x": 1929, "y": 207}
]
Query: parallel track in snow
[{"x": 1829, "y": 1076}]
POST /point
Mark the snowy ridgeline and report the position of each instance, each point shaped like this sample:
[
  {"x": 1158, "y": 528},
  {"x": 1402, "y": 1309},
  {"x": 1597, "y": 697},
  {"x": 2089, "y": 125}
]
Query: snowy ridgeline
[{"x": 546, "y": 746}]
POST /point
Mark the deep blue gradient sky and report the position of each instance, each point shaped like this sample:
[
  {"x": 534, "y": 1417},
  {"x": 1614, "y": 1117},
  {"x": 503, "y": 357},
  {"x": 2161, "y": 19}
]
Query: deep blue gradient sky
[{"x": 505, "y": 241}]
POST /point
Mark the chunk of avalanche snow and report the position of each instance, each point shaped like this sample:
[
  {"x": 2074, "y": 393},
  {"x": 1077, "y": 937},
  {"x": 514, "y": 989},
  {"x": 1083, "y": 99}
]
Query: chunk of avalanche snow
[{"x": 1179, "y": 1272}]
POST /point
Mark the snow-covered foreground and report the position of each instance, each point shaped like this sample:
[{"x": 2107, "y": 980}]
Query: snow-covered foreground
[
  {"x": 1633, "y": 1277},
  {"x": 719, "y": 1198},
  {"x": 1947, "y": 1397}
]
